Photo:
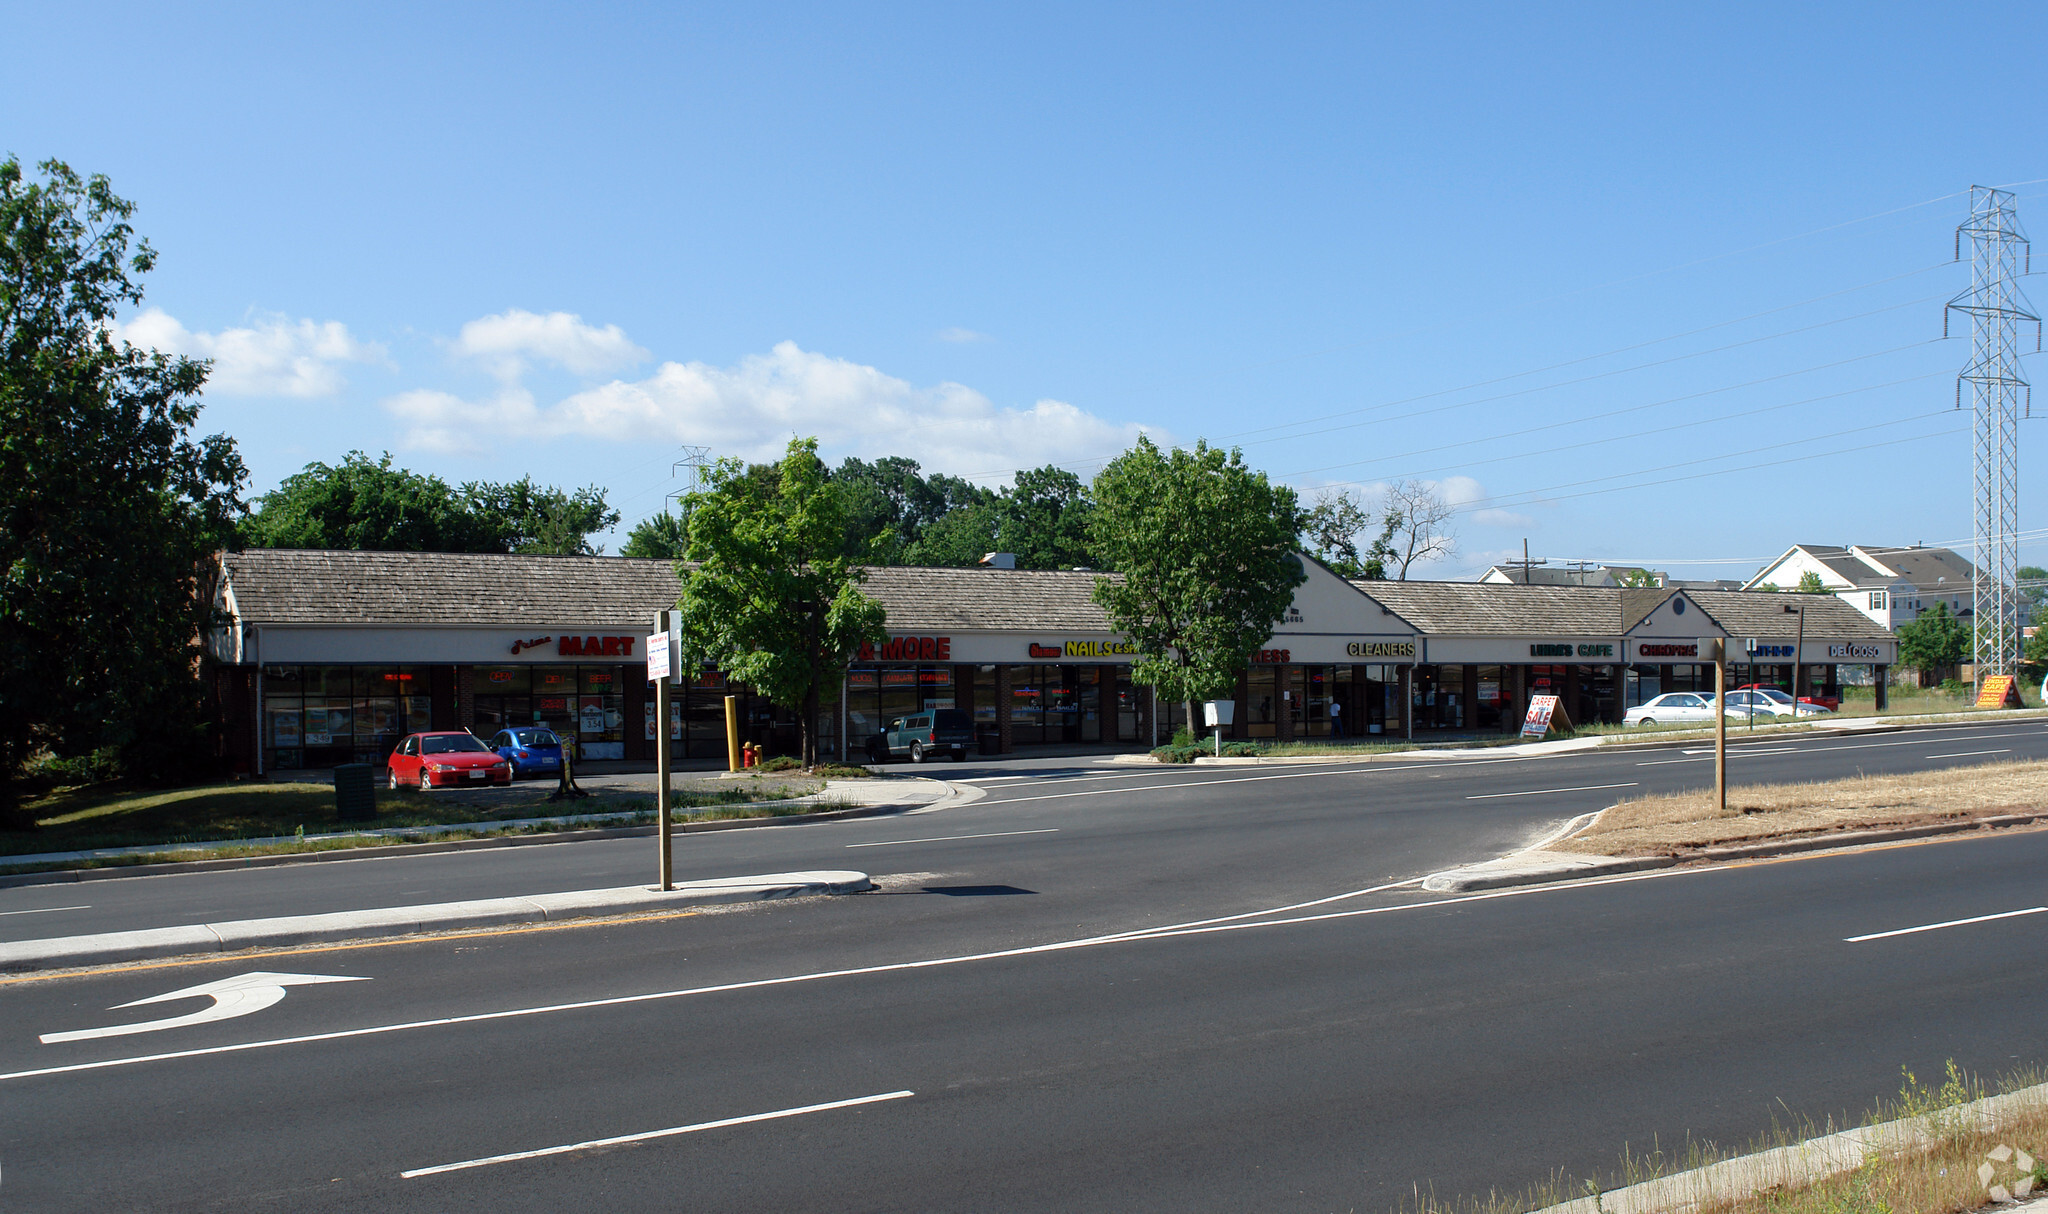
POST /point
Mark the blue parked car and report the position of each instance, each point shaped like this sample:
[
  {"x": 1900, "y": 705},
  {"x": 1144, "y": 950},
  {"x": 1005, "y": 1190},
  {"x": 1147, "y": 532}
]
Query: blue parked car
[{"x": 532, "y": 749}]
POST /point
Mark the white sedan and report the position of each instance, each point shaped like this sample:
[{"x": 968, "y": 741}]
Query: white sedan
[
  {"x": 1769, "y": 702},
  {"x": 1672, "y": 708}
]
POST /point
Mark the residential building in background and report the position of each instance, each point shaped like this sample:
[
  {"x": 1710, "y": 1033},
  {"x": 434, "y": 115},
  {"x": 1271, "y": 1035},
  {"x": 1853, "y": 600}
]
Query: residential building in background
[{"x": 1892, "y": 586}]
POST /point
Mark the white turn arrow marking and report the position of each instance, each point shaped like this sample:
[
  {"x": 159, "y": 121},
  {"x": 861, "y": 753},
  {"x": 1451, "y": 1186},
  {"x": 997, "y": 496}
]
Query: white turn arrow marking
[{"x": 231, "y": 997}]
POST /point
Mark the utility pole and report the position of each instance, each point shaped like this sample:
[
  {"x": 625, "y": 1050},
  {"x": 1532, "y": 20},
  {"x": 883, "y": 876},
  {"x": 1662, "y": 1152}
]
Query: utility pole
[
  {"x": 1525, "y": 564},
  {"x": 1716, "y": 650},
  {"x": 1999, "y": 254}
]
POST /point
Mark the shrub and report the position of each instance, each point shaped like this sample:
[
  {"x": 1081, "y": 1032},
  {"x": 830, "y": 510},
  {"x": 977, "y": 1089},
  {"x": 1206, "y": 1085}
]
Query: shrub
[{"x": 781, "y": 763}]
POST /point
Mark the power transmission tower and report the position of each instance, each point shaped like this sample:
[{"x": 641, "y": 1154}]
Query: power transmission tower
[
  {"x": 1999, "y": 254},
  {"x": 696, "y": 459}
]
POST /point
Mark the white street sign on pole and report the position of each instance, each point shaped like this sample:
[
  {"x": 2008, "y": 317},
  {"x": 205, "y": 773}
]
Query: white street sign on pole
[{"x": 660, "y": 657}]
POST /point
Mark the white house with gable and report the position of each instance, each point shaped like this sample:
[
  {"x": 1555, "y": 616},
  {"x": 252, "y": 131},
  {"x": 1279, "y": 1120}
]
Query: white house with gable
[{"x": 1892, "y": 586}]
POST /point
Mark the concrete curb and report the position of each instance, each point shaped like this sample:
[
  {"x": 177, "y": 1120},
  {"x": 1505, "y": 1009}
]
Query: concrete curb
[
  {"x": 1540, "y": 867},
  {"x": 63, "y": 952},
  {"x": 1737, "y": 736},
  {"x": 64, "y": 876},
  {"x": 1800, "y": 1164}
]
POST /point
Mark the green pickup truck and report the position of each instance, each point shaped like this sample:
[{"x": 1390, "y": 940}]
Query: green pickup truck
[{"x": 922, "y": 735}]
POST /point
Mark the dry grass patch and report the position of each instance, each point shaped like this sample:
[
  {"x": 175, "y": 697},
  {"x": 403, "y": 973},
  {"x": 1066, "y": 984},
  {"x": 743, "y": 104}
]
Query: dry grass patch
[{"x": 1676, "y": 821}]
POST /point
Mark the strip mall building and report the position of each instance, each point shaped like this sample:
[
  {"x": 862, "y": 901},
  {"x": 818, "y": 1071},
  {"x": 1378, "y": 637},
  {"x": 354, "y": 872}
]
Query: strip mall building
[{"x": 332, "y": 657}]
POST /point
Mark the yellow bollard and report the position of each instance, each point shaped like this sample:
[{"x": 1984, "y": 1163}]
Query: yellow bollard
[{"x": 732, "y": 733}]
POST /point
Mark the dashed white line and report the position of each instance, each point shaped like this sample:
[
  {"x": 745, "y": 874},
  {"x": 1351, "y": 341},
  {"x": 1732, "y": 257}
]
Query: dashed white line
[
  {"x": 1531, "y": 792},
  {"x": 1964, "y": 754},
  {"x": 648, "y": 1135},
  {"x": 44, "y": 910},
  {"x": 1930, "y": 927},
  {"x": 994, "y": 834}
]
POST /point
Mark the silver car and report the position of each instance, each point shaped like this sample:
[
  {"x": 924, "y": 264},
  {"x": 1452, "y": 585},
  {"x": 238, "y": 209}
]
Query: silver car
[
  {"x": 1672, "y": 708},
  {"x": 1769, "y": 702}
]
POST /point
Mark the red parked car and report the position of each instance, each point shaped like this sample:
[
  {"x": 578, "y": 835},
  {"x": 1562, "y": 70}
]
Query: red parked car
[
  {"x": 447, "y": 759},
  {"x": 1831, "y": 703}
]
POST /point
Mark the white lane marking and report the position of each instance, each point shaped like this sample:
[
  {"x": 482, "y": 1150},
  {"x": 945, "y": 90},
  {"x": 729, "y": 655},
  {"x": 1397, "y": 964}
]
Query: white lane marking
[
  {"x": 44, "y": 910},
  {"x": 1964, "y": 754},
  {"x": 994, "y": 834},
  {"x": 232, "y": 997},
  {"x": 1669, "y": 762},
  {"x": 651, "y": 1134},
  {"x": 1828, "y": 747},
  {"x": 1351, "y": 770},
  {"x": 1532, "y": 792},
  {"x": 1929, "y": 927},
  {"x": 1202, "y": 927}
]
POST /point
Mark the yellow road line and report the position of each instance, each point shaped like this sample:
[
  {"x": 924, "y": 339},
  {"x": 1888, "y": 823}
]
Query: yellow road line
[{"x": 234, "y": 958}]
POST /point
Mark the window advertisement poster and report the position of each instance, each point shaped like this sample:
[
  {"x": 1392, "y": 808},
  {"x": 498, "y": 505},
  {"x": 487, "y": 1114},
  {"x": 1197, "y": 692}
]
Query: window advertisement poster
[
  {"x": 284, "y": 727},
  {"x": 590, "y": 717},
  {"x": 675, "y": 720}
]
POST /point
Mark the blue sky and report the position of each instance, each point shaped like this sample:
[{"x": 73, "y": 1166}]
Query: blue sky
[{"x": 505, "y": 240}]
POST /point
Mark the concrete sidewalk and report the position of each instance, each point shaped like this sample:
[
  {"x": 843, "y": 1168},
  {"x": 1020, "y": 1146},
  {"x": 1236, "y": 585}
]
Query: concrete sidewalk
[
  {"x": 841, "y": 798},
  {"x": 64, "y": 952}
]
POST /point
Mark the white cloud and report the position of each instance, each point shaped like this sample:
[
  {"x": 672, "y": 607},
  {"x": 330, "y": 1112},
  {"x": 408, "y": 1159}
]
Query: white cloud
[
  {"x": 1463, "y": 491},
  {"x": 752, "y": 409},
  {"x": 957, "y": 334},
  {"x": 277, "y": 357},
  {"x": 505, "y": 343}
]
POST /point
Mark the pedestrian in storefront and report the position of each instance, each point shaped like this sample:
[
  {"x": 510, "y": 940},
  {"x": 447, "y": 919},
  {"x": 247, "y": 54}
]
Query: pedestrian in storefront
[{"x": 1336, "y": 719}]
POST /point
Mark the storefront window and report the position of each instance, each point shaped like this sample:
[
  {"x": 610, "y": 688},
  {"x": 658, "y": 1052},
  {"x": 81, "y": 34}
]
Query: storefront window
[
  {"x": 1489, "y": 696},
  {"x": 1027, "y": 705},
  {"x": 1262, "y": 706}
]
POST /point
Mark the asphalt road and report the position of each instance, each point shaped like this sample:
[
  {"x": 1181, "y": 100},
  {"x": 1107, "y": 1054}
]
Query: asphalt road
[
  {"x": 1117, "y": 842},
  {"x": 1128, "y": 1009}
]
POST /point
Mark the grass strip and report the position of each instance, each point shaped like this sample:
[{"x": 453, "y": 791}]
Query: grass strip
[
  {"x": 1940, "y": 1148},
  {"x": 99, "y": 817},
  {"x": 1669, "y": 823}
]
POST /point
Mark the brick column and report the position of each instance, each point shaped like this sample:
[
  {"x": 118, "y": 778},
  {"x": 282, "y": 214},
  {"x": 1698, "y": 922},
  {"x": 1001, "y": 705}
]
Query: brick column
[
  {"x": 1003, "y": 708},
  {"x": 1283, "y": 681},
  {"x": 1143, "y": 695},
  {"x": 1240, "y": 717},
  {"x": 465, "y": 697}
]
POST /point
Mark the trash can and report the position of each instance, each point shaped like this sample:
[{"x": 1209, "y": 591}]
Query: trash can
[
  {"x": 355, "y": 792},
  {"x": 988, "y": 739}
]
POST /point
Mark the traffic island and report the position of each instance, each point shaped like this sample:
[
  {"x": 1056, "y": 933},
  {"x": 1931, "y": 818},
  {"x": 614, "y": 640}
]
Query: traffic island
[
  {"x": 1761, "y": 820},
  {"x": 104, "y": 948}
]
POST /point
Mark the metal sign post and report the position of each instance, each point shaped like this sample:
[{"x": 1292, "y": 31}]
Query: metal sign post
[
  {"x": 661, "y": 672},
  {"x": 1713, "y": 649}
]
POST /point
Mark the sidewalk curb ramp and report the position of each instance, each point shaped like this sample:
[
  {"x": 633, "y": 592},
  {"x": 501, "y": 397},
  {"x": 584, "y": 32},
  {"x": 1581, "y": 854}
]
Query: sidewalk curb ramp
[
  {"x": 64, "y": 952},
  {"x": 1803, "y": 1163},
  {"x": 955, "y": 795},
  {"x": 1542, "y": 867}
]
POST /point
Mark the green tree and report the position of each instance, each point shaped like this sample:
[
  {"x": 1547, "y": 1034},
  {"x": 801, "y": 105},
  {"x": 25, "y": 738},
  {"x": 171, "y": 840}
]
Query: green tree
[
  {"x": 368, "y": 505},
  {"x": 657, "y": 537},
  {"x": 2034, "y": 657},
  {"x": 773, "y": 598},
  {"x": 889, "y": 503},
  {"x": 542, "y": 518},
  {"x": 1935, "y": 644},
  {"x": 1637, "y": 578},
  {"x": 1044, "y": 520},
  {"x": 113, "y": 510},
  {"x": 959, "y": 538},
  {"x": 1206, "y": 549},
  {"x": 1810, "y": 583}
]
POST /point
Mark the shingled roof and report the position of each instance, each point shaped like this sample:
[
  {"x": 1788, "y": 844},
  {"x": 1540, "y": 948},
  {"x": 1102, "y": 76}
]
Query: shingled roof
[
  {"x": 1501, "y": 609},
  {"x": 285, "y": 586},
  {"x": 1748, "y": 613},
  {"x": 300, "y": 586}
]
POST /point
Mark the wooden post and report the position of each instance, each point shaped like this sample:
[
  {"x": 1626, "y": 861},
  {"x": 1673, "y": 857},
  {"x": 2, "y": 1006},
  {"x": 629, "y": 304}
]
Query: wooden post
[
  {"x": 664, "y": 799},
  {"x": 1716, "y": 649}
]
